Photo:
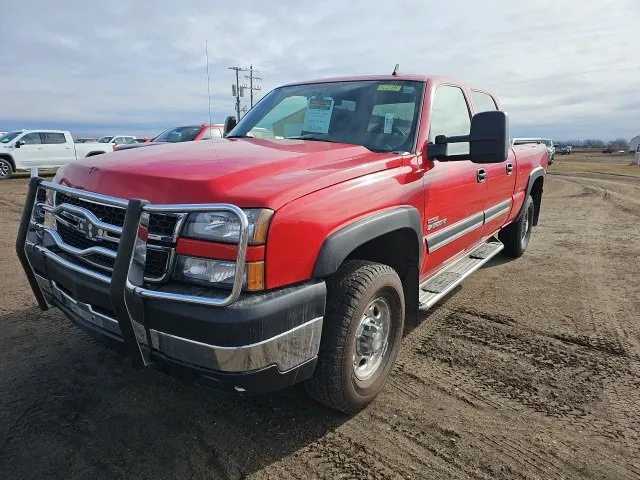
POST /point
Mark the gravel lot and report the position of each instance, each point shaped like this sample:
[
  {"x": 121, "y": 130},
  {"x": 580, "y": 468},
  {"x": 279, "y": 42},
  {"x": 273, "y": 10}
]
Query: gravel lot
[{"x": 530, "y": 370}]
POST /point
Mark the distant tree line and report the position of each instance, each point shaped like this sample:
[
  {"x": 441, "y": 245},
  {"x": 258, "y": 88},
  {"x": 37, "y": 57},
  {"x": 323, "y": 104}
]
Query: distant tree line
[{"x": 619, "y": 143}]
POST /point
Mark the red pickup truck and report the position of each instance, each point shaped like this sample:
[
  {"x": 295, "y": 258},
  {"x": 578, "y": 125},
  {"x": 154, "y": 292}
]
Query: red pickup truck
[{"x": 250, "y": 264}]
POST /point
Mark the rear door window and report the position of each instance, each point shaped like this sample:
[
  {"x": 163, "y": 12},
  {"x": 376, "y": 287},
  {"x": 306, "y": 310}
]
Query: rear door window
[
  {"x": 53, "y": 138},
  {"x": 483, "y": 102}
]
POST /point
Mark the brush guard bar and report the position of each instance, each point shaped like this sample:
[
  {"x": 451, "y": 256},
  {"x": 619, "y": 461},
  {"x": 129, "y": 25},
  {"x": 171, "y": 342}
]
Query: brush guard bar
[{"x": 126, "y": 284}]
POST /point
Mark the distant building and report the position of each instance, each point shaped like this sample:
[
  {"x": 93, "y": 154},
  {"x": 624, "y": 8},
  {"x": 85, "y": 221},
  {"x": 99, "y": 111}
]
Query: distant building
[{"x": 633, "y": 143}]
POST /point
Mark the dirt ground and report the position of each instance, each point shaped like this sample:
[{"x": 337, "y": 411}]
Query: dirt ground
[{"x": 530, "y": 370}]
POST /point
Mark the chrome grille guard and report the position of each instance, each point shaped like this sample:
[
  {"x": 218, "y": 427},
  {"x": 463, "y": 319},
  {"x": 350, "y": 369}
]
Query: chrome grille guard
[{"x": 126, "y": 284}]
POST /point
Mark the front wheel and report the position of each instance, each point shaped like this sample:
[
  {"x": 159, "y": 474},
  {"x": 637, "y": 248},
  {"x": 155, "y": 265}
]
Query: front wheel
[
  {"x": 6, "y": 169},
  {"x": 361, "y": 336}
]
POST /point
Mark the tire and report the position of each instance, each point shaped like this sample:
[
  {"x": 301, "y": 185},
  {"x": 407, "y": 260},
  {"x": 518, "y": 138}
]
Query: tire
[
  {"x": 6, "y": 169},
  {"x": 516, "y": 235},
  {"x": 359, "y": 295}
]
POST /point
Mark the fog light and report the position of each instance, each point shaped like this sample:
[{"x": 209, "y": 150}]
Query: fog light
[{"x": 218, "y": 273}]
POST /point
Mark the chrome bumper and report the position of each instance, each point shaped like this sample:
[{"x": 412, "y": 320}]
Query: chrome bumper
[{"x": 127, "y": 294}]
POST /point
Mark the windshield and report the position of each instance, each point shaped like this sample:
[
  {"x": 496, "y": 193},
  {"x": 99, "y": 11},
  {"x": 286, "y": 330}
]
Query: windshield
[
  {"x": 105, "y": 139},
  {"x": 179, "y": 134},
  {"x": 379, "y": 115},
  {"x": 7, "y": 137},
  {"x": 548, "y": 143}
]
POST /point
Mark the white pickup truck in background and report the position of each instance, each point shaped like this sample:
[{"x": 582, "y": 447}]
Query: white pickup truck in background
[{"x": 25, "y": 149}]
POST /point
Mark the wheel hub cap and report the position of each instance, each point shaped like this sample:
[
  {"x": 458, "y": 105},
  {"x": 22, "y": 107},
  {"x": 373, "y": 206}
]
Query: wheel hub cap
[{"x": 372, "y": 339}]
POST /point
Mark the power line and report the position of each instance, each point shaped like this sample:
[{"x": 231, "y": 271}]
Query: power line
[{"x": 572, "y": 74}]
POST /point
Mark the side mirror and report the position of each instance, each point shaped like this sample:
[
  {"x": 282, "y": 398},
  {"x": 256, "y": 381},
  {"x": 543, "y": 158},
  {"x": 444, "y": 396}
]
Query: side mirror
[
  {"x": 19, "y": 143},
  {"x": 488, "y": 140},
  {"x": 229, "y": 124}
]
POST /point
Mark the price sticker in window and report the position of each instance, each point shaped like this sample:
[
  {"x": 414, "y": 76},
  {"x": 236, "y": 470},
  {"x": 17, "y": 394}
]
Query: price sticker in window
[
  {"x": 388, "y": 122},
  {"x": 318, "y": 115}
]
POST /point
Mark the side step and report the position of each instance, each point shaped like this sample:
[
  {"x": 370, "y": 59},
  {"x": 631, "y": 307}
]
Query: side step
[{"x": 436, "y": 287}]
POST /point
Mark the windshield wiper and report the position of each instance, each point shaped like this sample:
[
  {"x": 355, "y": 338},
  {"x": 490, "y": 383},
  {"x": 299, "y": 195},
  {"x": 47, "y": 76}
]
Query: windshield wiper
[
  {"x": 238, "y": 136},
  {"x": 313, "y": 138}
]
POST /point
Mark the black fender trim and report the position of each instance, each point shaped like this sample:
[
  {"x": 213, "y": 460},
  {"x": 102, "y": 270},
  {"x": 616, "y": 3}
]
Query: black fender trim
[
  {"x": 535, "y": 174},
  {"x": 337, "y": 247}
]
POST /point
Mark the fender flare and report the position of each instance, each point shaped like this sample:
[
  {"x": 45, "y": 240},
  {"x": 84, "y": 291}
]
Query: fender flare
[
  {"x": 535, "y": 174},
  {"x": 337, "y": 246}
]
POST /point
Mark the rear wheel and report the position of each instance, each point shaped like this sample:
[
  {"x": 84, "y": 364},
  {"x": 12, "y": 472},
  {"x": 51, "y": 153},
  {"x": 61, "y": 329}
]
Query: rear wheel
[
  {"x": 6, "y": 169},
  {"x": 361, "y": 336},
  {"x": 516, "y": 235}
]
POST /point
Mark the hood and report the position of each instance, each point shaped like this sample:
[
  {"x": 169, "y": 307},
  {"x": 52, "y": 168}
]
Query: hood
[{"x": 248, "y": 172}]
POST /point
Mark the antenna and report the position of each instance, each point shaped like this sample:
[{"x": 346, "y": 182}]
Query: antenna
[
  {"x": 396, "y": 70},
  {"x": 206, "y": 50}
]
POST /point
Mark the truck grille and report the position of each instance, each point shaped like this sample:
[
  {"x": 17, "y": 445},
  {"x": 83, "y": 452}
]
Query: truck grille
[
  {"x": 159, "y": 252},
  {"x": 159, "y": 224}
]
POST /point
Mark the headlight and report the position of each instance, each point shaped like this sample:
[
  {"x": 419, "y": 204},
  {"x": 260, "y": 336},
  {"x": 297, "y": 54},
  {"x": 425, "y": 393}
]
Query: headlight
[
  {"x": 218, "y": 273},
  {"x": 225, "y": 226}
]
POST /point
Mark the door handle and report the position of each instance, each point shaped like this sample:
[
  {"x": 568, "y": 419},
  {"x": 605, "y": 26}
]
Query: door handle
[
  {"x": 39, "y": 148},
  {"x": 481, "y": 175},
  {"x": 67, "y": 148},
  {"x": 509, "y": 168}
]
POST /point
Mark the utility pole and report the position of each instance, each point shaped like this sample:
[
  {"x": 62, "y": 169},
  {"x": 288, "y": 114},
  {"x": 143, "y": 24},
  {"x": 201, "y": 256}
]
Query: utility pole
[
  {"x": 251, "y": 78},
  {"x": 236, "y": 90}
]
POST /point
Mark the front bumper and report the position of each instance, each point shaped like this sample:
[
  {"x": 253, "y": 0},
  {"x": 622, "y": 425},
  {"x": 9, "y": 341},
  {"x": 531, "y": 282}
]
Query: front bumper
[{"x": 244, "y": 342}]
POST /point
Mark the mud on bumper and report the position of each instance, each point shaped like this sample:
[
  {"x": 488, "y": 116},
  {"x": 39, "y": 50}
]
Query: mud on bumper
[{"x": 242, "y": 342}]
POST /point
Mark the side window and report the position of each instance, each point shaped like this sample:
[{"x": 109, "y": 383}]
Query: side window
[
  {"x": 482, "y": 102},
  {"x": 52, "y": 138},
  {"x": 450, "y": 117},
  {"x": 118, "y": 140},
  {"x": 31, "y": 139}
]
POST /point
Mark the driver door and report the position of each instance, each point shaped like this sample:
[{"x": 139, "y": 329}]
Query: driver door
[{"x": 454, "y": 190}]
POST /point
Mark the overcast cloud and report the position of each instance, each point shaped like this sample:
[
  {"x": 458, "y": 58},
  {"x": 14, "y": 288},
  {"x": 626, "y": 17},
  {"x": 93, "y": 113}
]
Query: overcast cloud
[{"x": 562, "y": 68}]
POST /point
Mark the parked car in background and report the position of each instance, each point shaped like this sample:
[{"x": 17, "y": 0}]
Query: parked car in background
[
  {"x": 566, "y": 150},
  {"x": 187, "y": 133},
  {"x": 551, "y": 149},
  {"x": 115, "y": 140},
  {"x": 25, "y": 149}
]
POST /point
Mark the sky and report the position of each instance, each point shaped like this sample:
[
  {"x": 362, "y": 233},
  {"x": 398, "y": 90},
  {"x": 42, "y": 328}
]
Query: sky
[{"x": 565, "y": 69}]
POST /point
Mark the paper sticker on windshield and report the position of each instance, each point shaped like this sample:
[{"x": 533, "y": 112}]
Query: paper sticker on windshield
[
  {"x": 388, "y": 88},
  {"x": 318, "y": 115},
  {"x": 388, "y": 122},
  {"x": 408, "y": 89}
]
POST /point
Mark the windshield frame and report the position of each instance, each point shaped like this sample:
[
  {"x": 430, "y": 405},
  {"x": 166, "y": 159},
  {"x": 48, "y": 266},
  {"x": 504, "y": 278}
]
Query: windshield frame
[
  {"x": 253, "y": 118},
  {"x": 10, "y": 136}
]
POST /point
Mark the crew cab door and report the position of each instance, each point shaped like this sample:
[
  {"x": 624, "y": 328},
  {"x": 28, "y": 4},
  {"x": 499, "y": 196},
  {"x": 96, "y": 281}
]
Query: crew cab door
[
  {"x": 31, "y": 152},
  {"x": 58, "y": 150},
  {"x": 454, "y": 190},
  {"x": 500, "y": 177}
]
